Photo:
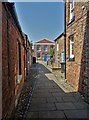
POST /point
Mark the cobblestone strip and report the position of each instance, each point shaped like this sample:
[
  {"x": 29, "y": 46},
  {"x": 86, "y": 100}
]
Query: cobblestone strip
[
  {"x": 26, "y": 95},
  {"x": 29, "y": 102}
]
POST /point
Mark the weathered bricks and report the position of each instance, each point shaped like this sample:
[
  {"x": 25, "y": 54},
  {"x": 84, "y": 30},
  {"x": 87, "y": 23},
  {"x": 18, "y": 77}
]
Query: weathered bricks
[
  {"x": 77, "y": 70},
  {"x": 13, "y": 61}
]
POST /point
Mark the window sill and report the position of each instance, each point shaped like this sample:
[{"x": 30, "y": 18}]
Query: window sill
[
  {"x": 71, "y": 59},
  {"x": 71, "y": 21},
  {"x": 63, "y": 62}
]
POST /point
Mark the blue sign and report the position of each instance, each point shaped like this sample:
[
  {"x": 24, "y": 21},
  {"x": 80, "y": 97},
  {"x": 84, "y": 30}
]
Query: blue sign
[{"x": 45, "y": 58}]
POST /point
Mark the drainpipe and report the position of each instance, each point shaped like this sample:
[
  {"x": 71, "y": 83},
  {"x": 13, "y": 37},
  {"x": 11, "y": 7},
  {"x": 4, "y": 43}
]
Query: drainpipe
[{"x": 65, "y": 34}]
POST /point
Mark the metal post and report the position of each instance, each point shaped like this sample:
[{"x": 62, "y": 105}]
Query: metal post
[{"x": 65, "y": 34}]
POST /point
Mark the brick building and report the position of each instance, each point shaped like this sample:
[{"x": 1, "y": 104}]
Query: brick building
[
  {"x": 59, "y": 50},
  {"x": 13, "y": 59},
  {"x": 77, "y": 47},
  {"x": 0, "y": 61},
  {"x": 28, "y": 54},
  {"x": 42, "y": 49}
]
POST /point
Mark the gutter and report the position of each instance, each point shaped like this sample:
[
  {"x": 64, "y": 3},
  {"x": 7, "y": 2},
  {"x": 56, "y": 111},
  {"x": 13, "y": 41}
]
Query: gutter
[{"x": 11, "y": 8}]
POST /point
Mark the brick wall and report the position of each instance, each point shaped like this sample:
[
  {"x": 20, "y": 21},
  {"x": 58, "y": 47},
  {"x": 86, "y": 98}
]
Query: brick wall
[
  {"x": 60, "y": 42},
  {"x": 75, "y": 28},
  {"x": 29, "y": 57},
  {"x": 42, "y": 52},
  {"x": 10, "y": 38},
  {"x": 61, "y": 47},
  {"x": 84, "y": 71},
  {"x": 0, "y": 60}
]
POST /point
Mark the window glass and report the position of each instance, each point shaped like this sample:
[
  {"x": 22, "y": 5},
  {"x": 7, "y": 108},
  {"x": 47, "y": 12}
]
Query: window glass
[
  {"x": 45, "y": 47},
  {"x": 63, "y": 57},
  {"x": 71, "y": 47},
  {"x": 71, "y": 9},
  {"x": 38, "y": 47}
]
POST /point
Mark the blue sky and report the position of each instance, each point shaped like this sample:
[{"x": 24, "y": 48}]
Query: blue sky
[{"x": 41, "y": 20}]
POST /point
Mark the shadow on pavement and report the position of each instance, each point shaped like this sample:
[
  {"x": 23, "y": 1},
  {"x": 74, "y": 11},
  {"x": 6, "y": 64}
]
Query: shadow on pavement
[{"x": 47, "y": 99}]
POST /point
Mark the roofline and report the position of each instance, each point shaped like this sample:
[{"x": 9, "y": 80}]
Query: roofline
[
  {"x": 44, "y": 43},
  {"x": 62, "y": 34},
  {"x": 44, "y": 39},
  {"x": 11, "y": 8}
]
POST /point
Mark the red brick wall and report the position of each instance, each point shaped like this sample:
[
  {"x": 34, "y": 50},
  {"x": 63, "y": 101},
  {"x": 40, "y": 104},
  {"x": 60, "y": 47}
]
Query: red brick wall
[
  {"x": 10, "y": 90},
  {"x": 75, "y": 28},
  {"x": 42, "y": 52},
  {"x": 0, "y": 60},
  {"x": 67, "y": 11},
  {"x": 61, "y": 46},
  {"x": 84, "y": 71},
  {"x": 60, "y": 42},
  {"x": 28, "y": 56}
]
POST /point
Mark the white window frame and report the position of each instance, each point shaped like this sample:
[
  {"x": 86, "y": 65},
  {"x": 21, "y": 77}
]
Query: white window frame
[
  {"x": 63, "y": 57},
  {"x": 57, "y": 47},
  {"x": 71, "y": 9},
  {"x": 71, "y": 47},
  {"x": 46, "y": 48},
  {"x": 38, "y": 46}
]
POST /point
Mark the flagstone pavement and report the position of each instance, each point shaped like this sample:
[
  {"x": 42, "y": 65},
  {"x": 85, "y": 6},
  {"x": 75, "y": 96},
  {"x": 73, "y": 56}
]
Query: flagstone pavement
[{"x": 50, "y": 99}]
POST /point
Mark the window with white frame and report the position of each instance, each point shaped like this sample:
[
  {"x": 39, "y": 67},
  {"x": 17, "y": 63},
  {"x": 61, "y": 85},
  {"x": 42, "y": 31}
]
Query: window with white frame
[
  {"x": 63, "y": 56},
  {"x": 71, "y": 47},
  {"x": 45, "y": 48},
  {"x": 38, "y": 47},
  {"x": 57, "y": 47},
  {"x": 71, "y": 9}
]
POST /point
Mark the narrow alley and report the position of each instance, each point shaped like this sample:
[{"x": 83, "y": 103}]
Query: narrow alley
[
  {"x": 44, "y": 66},
  {"x": 48, "y": 98}
]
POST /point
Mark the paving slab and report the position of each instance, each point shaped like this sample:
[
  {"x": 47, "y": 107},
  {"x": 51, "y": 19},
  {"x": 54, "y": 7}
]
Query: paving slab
[
  {"x": 42, "y": 95},
  {"x": 38, "y": 100},
  {"x": 52, "y": 114},
  {"x": 81, "y": 105},
  {"x": 59, "y": 99},
  {"x": 41, "y": 87},
  {"x": 42, "y": 107},
  {"x": 78, "y": 97},
  {"x": 51, "y": 100},
  {"x": 32, "y": 115},
  {"x": 65, "y": 106},
  {"x": 68, "y": 99},
  {"x": 56, "y": 90},
  {"x": 62, "y": 94},
  {"x": 76, "y": 114},
  {"x": 41, "y": 90}
]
